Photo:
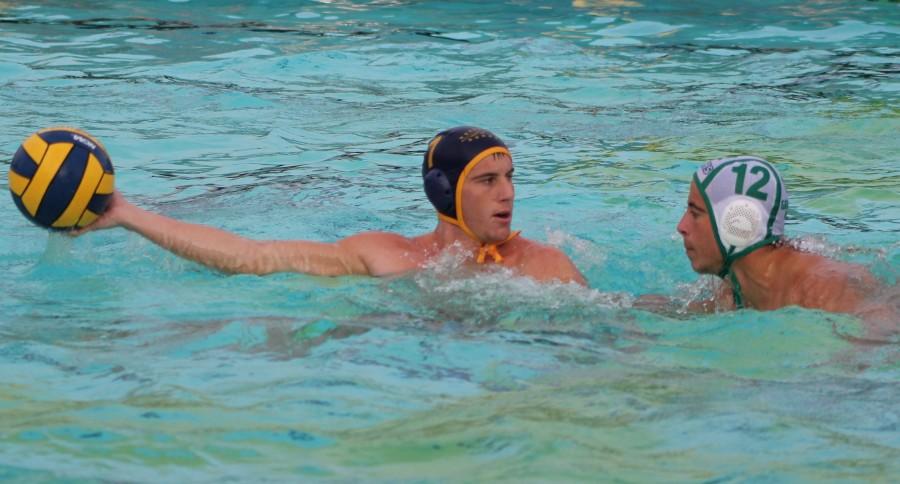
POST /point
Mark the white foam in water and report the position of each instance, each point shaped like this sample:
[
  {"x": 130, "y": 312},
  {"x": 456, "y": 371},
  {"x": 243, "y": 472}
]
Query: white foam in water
[
  {"x": 461, "y": 35},
  {"x": 725, "y": 52},
  {"x": 603, "y": 20},
  {"x": 640, "y": 29},
  {"x": 815, "y": 244},
  {"x": 242, "y": 54},
  {"x": 703, "y": 289},
  {"x": 585, "y": 250},
  {"x": 306, "y": 15},
  {"x": 843, "y": 32},
  {"x": 57, "y": 17},
  {"x": 492, "y": 290},
  {"x": 146, "y": 40},
  {"x": 615, "y": 41},
  {"x": 254, "y": 40},
  {"x": 103, "y": 36}
]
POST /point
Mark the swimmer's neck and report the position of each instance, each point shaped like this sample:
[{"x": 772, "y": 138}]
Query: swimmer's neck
[
  {"x": 446, "y": 235},
  {"x": 763, "y": 276}
]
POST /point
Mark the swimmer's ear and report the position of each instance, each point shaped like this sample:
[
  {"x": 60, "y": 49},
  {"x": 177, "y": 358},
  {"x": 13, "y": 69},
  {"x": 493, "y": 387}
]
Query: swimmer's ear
[{"x": 439, "y": 191}]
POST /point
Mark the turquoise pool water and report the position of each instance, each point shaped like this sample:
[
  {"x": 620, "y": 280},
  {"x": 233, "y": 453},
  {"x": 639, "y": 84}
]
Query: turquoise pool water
[{"x": 119, "y": 362}]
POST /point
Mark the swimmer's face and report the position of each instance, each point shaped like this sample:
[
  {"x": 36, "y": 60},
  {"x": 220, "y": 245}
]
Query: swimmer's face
[
  {"x": 696, "y": 231},
  {"x": 487, "y": 198}
]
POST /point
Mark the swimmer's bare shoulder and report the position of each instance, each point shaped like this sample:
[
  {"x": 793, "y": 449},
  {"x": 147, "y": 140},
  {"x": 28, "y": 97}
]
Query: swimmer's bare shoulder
[
  {"x": 543, "y": 262},
  {"x": 386, "y": 253},
  {"x": 851, "y": 288},
  {"x": 824, "y": 283}
]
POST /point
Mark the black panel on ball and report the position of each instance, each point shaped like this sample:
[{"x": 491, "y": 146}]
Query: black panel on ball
[
  {"x": 63, "y": 186},
  {"x": 23, "y": 164}
]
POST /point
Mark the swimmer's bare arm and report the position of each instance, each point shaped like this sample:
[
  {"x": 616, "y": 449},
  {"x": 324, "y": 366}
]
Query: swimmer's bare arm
[
  {"x": 231, "y": 253},
  {"x": 723, "y": 299}
]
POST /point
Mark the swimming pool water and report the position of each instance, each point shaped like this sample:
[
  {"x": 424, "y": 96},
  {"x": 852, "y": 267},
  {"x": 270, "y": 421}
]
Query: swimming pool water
[{"x": 119, "y": 361}]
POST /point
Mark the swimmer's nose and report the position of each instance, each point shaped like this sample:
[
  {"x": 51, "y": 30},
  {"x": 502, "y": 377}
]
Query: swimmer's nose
[
  {"x": 507, "y": 190},
  {"x": 682, "y": 225}
]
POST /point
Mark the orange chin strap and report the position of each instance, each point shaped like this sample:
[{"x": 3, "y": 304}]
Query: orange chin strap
[
  {"x": 485, "y": 249},
  {"x": 491, "y": 249}
]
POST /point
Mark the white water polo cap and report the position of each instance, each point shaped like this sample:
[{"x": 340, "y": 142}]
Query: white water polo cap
[{"x": 747, "y": 201}]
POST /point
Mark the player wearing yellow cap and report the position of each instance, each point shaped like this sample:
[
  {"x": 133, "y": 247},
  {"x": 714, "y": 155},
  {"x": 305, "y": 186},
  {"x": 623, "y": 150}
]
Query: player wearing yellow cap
[{"x": 468, "y": 177}]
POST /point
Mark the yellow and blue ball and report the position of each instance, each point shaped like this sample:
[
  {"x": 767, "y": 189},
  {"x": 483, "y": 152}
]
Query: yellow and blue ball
[{"x": 61, "y": 178}]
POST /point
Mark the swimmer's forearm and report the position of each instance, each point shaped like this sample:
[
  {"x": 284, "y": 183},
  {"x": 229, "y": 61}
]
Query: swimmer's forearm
[
  {"x": 704, "y": 306},
  {"x": 656, "y": 303},
  {"x": 233, "y": 254},
  {"x": 662, "y": 304}
]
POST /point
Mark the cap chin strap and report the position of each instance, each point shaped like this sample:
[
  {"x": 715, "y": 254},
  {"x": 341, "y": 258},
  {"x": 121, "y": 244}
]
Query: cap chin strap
[
  {"x": 491, "y": 249},
  {"x": 485, "y": 249},
  {"x": 731, "y": 256}
]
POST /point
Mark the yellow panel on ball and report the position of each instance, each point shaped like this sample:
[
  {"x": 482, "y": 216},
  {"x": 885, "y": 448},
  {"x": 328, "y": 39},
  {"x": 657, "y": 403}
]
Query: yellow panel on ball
[
  {"x": 93, "y": 172},
  {"x": 17, "y": 182},
  {"x": 107, "y": 184},
  {"x": 54, "y": 158},
  {"x": 35, "y": 147},
  {"x": 87, "y": 218}
]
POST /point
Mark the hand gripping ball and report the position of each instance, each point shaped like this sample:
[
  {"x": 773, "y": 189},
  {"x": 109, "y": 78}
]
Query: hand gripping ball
[{"x": 61, "y": 178}]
